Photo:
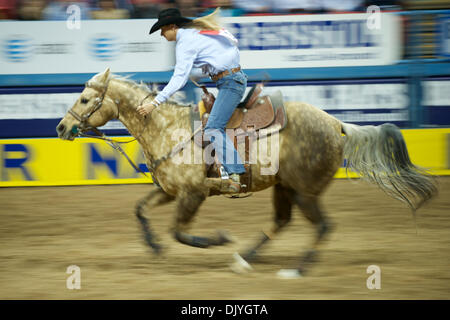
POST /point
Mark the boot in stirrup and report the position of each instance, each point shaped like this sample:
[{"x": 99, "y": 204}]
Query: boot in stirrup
[
  {"x": 234, "y": 183},
  {"x": 230, "y": 185}
]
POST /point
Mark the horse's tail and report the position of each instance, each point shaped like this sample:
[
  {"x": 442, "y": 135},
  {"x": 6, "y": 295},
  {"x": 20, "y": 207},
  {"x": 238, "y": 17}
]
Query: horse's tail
[{"x": 379, "y": 155}]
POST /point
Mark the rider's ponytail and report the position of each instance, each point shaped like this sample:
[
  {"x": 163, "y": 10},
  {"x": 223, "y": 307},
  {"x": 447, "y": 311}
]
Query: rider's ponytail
[{"x": 209, "y": 22}]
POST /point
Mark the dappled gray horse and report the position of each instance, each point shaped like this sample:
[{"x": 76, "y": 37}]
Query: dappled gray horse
[{"x": 312, "y": 147}]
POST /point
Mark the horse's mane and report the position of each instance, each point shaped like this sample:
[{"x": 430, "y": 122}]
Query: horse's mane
[
  {"x": 151, "y": 89},
  {"x": 135, "y": 85}
]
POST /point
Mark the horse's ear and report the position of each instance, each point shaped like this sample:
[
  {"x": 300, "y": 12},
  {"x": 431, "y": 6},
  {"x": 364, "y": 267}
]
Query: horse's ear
[{"x": 104, "y": 76}]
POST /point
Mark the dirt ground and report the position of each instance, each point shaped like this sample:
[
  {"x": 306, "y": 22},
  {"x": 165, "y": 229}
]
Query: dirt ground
[{"x": 45, "y": 230}]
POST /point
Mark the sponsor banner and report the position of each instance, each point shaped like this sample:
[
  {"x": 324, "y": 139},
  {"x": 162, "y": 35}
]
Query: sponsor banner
[
  {"x": 36, "y": 106},
  {"x": 37, "y": 114},
  {"x": 53, "y": 162},
  {"x": 445, "y": 36},
  {"x": 294, "y": 41},
  {"x": 55, "y": 47},
  {"x": 436, "y": 101},
  {"x": 436, "y": 92},
  {"x": 37, "y": 111},
  {"x": 358, "y": 101},
  {"x": 327, "y": 40},
  {"x": 19, "y": 114}
]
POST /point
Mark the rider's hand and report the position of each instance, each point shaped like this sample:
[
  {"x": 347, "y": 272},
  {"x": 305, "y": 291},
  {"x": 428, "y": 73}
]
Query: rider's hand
[{"x": 146, "y": 108}]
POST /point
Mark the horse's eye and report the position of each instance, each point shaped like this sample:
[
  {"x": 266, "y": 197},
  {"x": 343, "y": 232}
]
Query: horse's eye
[{"x": 84, "y": 100}]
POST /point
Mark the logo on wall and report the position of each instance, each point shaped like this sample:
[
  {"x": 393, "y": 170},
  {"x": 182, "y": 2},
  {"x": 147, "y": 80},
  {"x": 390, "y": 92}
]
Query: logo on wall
[
  {"x": 105, "y": 47},
  {"x": 18, "y": 48}
]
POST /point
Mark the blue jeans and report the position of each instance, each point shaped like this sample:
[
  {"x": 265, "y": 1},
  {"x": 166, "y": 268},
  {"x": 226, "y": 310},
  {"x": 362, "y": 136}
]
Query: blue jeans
[{"x": 231, "y": 90}]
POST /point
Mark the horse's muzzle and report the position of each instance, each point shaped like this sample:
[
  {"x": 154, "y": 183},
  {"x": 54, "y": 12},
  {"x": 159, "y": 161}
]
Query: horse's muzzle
[
  {"x": 60, "y": 129},
  {"x": 64, "y": 133}
]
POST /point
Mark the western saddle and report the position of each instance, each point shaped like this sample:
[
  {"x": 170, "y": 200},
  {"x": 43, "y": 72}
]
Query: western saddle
[{"x": 256, "y": 112}]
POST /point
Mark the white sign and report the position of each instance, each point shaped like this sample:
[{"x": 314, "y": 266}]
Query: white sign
[
  {"x": 294, "y": 41},
  {"x": 327, "y": 40},
  {"x": 351, "y": 102},
  {"x": 348, "y": 96},
  {"x": 36, "y": 106},
  {"x": 50, "y": 47},
  {"x": 355, "y": 96},
  {"x": 436, "y": 93}
]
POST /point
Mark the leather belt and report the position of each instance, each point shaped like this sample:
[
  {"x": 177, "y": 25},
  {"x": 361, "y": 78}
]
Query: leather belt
[{"x": 222, "y": 74}]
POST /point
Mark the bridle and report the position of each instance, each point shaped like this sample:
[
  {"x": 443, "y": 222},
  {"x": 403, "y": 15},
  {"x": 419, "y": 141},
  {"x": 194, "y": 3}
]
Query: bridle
[{"x": 85, "y": 126}]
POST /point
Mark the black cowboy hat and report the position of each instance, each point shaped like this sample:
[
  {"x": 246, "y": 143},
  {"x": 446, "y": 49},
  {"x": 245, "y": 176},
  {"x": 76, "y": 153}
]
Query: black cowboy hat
[{"x": 169, "y": 16}]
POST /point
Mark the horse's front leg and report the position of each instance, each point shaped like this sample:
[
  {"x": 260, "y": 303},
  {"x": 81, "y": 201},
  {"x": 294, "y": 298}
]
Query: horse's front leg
[
  {"x": 155, "y": 198},
  {"x": 187, "y": 206}
]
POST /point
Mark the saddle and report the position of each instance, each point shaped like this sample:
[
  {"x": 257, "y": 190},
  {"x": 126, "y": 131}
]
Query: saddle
[{"x": 254, "y": 113}]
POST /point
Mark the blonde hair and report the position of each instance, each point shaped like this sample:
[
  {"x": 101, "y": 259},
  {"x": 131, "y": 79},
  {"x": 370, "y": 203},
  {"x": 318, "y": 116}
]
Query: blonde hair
[{"x": 209, "y": 22}]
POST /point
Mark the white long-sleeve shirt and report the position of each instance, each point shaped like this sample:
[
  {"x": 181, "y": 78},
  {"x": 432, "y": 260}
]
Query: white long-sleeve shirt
[{"x": 213, "y": 52}]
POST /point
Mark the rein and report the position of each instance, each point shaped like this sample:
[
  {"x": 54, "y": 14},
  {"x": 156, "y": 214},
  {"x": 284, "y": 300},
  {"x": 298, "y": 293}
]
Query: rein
[
  {"x": 115, "y": 145},
  {"x": 155, "y": 164}
]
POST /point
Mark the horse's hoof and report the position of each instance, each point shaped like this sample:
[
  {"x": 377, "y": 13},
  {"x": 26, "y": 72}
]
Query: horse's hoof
[
  {"x": 157, "y": 249},
  {"x": 289, "y": 274},
  {"x": 240, "y": 265}
]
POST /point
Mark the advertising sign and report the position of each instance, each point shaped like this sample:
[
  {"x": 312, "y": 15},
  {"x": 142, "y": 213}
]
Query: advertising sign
[
  {"x": 294, "y": 41},
  {"x": 361, "y": 101},
  {"x": 326, "y": 40},
  {"x": 357, "y": 101},
  {"x": 53, "y": 162},
  {"x": 53, "y": 47},
  {"x": 436, "y": 101}
]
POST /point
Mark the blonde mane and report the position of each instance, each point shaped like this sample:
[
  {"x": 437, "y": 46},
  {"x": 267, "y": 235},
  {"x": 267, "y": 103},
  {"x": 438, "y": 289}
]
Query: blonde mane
[{"x": 151, "y": 90}]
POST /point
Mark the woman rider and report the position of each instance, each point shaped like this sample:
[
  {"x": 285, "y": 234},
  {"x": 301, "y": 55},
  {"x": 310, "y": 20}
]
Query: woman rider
[{"x": 202, "y": 43}]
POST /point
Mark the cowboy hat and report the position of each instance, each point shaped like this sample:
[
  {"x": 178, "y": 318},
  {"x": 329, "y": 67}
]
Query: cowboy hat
[{"x": 169, "y": 16}]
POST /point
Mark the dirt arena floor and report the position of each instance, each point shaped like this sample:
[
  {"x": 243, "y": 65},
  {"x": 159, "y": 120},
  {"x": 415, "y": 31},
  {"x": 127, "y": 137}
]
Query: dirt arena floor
[{"x": 45, "y": 230}]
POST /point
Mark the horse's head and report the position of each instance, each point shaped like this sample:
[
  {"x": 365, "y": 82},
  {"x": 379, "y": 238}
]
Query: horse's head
[{"x": 92, "y": 109}]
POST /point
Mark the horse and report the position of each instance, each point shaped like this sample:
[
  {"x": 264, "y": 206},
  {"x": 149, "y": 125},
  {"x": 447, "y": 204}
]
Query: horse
[{"x": 312, "y": 147}]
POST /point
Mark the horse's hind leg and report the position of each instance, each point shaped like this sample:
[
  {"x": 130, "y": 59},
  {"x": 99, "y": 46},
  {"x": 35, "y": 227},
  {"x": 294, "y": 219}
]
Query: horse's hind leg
[
  {"x": 312, "y": 211},
  {"x": 155, "y": 198},
  {"x": 187, "y": 206},
  {"x": 282, "y": 202}
]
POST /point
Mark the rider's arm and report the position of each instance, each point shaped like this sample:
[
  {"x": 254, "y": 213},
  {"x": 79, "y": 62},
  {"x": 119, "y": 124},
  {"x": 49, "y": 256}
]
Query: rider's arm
[{"x": 186, "y": 53}]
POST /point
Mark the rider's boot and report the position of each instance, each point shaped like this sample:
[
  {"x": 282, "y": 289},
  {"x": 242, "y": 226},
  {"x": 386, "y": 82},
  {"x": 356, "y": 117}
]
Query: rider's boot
[
  {"x": 235, "y": 183},
  {"x": 231, "y": 185}
]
